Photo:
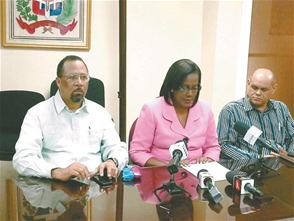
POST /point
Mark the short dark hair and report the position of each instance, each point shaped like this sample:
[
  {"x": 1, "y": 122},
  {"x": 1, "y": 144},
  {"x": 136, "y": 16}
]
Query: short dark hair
[
  {"x": 175, "y": 77},
  {"x": 68, "y": 58}
]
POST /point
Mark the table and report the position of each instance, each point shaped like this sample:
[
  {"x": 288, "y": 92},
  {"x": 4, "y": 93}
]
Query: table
[{"x": 45, "y": 199}]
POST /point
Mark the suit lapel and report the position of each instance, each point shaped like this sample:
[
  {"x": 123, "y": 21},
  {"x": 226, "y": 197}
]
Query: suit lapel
[{"x": 170, "y": 115}]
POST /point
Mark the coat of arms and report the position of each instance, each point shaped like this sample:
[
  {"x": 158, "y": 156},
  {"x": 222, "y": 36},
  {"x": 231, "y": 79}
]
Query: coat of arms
[{"x": 58, "y": 14}]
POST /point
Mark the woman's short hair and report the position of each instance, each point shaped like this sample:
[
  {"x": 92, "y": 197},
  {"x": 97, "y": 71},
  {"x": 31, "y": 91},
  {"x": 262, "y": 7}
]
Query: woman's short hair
[{"x": 176, "y": 76}]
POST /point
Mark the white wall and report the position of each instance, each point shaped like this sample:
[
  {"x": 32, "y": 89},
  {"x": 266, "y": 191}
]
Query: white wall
[
  {"x": 158, "y": 34},
  {"x": 226, "y": 59},
  {"x": 31, "y": 69},
  {"x": 214, "y": 34}
]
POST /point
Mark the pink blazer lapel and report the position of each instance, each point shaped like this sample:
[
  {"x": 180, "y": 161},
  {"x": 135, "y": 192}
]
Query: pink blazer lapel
[{"x": 169, "y": 114}]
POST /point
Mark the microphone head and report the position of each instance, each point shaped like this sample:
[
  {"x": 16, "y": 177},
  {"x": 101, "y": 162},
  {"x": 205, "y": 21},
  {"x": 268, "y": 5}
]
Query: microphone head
[
  {"x": 241, "y": 128},
  {"x": 178, "y": 153},
  {"x": 179, "y": 149},
  {"x": 230, "y": 176},
  {"x": 200, "y": 171}
]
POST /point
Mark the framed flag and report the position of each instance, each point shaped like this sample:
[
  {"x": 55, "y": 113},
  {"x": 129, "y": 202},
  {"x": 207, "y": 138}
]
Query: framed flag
[{"x": 61, "y": 24}]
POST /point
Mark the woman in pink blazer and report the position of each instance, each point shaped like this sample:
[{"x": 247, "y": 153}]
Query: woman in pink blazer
[{"x": 175, "y": 115}]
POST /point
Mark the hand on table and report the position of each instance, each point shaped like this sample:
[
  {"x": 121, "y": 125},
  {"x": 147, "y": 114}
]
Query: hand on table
[
  {"x": 204, "y": 160},
  {"x": 201, "y": 160},
  {"x": 78, "y": 170}
]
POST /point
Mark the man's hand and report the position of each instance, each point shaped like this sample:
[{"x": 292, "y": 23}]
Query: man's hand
[
  {"x": 281, "y": 152},
  {"x": 74, "y": 170},
  {"x": 110, "y": 167}
]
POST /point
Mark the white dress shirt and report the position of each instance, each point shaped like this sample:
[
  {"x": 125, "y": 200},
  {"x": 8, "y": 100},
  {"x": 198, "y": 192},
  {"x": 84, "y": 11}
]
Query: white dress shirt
[{"x": 53, "y": 136}]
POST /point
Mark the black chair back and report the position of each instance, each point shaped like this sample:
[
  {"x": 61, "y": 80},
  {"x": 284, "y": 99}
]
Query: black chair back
[
  {"x": 14, "y": 105},
  {"x": 95, "y": 91},
  {"x": 131, "y": 132}
]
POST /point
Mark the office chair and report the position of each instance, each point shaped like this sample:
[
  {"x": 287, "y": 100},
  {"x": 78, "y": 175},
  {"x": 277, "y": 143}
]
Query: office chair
[
  {"x": 95, "y": 91},
  {"x": 131, "y": 132},
  {"x": 14, "y": 106}
]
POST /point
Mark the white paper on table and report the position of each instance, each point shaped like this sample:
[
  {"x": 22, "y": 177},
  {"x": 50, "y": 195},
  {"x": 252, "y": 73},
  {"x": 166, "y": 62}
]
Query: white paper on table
[{"x": 214, "y": 168}]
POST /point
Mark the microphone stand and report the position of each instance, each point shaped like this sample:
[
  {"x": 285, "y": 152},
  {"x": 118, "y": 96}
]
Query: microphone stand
[
  {"x": 172, "y": 189},
  {"x": 260, "y": 164}
]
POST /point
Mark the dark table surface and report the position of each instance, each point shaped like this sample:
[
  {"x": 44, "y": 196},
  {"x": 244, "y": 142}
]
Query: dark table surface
[{"x": 156, "y": 196}]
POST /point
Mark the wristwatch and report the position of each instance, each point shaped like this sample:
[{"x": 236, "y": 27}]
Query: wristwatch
[{"x": 114, "y": 160}]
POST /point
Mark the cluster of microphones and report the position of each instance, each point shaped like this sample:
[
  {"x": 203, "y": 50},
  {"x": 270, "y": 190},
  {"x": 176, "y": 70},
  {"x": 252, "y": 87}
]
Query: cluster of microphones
[
  {"x": 179, "y": 152},
  {"x": 242, "y": 187}
]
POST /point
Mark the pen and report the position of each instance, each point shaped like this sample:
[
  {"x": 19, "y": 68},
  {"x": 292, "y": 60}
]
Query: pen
[
  {"x": 279, "y": 126},
  {"x": 89, "y": 130}
]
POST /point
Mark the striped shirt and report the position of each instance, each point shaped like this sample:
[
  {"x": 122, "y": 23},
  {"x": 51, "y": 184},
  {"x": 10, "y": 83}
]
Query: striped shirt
[{"x": 276, "y": 123}]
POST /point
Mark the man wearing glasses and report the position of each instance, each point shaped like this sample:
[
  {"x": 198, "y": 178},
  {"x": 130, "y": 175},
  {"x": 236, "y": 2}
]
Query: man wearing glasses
[{"x": 69, "y": 136}]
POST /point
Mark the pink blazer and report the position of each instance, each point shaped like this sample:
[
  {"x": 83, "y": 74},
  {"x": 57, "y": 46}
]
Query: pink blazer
[{"x": 158, "y": 127}]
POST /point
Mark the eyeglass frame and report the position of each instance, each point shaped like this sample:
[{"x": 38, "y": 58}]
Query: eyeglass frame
[
  {"x": 186, "y": 89},
  {"x": 72, "y": 77}
]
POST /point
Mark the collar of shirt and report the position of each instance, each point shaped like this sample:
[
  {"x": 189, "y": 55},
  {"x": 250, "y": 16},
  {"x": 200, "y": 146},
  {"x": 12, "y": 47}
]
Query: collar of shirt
[
  {"x": 249, "y": 107},
  {"x": 169, "y": 112},
  {"x": 60, "y": 105}
]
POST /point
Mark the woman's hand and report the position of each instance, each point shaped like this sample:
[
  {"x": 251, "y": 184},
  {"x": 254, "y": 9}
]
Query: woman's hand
[
  {"x": 204, "y": 160},
  {"x": 185, "y": 163}
]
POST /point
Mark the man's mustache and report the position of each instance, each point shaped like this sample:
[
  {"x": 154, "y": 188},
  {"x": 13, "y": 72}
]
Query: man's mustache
[{"x": 78, "y": 90}]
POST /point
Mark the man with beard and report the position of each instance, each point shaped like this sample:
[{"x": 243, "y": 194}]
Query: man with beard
[
  {"x": 257, "y": 109},
  {"x": 69, "y": 136}
]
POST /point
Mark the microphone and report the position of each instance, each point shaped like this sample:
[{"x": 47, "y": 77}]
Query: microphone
[
  {"x": 206, "y": 180},
  {"x": 242, "y": 184},
  {"x": 178, "y": 151},
  {"x": 252, "y": 135}
]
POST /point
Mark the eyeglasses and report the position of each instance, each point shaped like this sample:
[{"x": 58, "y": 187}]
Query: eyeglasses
[
  {"x": 74, "y": 77},
  {"x": 186, "y": 89}
]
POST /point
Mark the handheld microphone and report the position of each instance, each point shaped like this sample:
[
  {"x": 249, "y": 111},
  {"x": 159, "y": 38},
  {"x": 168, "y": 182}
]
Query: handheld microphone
[
  {"x": 178, "y": 151},
  {"x": 242, "y": 185},
  {"x": 252, "y": 135},
  {"x": 206, "y": 180}
]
